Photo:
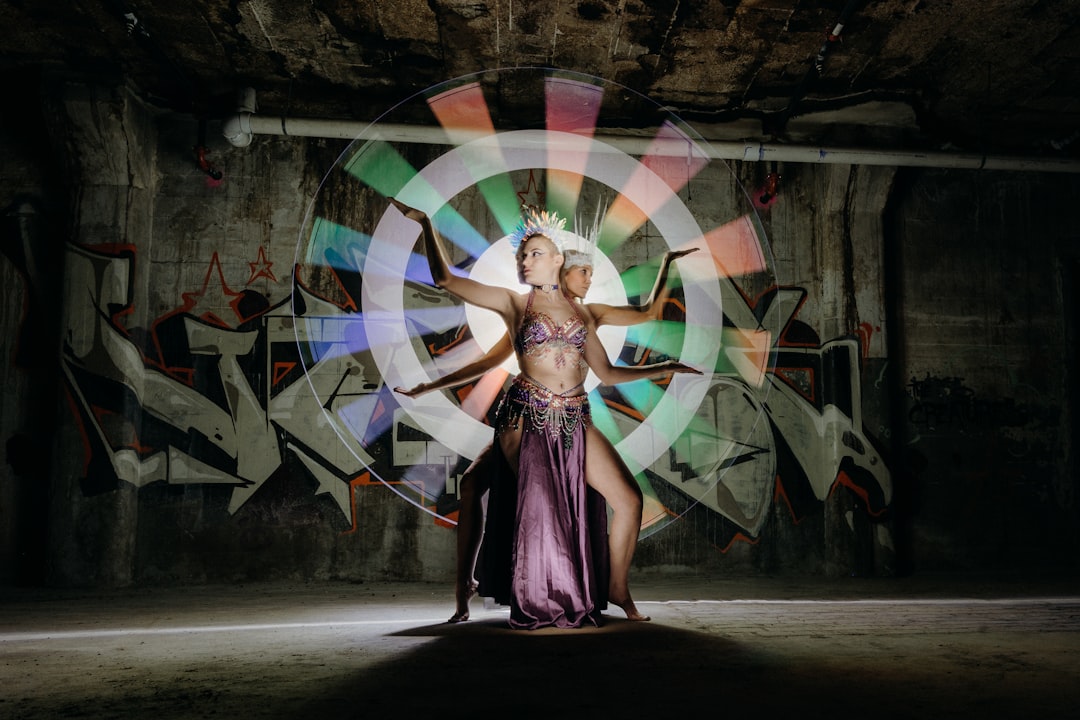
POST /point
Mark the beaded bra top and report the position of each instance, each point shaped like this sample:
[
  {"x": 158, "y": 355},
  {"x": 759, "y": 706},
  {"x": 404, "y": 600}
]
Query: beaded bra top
[{"x": 539, "y": 335}]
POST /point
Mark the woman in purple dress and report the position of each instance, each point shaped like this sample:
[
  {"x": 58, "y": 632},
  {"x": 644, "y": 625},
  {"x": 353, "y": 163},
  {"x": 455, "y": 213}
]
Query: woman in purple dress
[
  {"x": 542, "y": 421},
  {"x": 604, "y": 469}
]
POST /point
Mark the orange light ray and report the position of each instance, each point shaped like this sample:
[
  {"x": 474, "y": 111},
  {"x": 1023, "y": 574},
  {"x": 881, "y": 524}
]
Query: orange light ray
[
  {"x": 671, "y": 160},
  {"x": 735, "y": 248}
]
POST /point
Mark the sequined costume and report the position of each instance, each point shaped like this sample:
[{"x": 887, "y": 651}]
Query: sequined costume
[
  {"x": 540, "y": 336},
  {"x": 557, "y": 570}
]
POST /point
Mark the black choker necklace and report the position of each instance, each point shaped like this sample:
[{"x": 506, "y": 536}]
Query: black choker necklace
[{"x": 546, "y": 288}]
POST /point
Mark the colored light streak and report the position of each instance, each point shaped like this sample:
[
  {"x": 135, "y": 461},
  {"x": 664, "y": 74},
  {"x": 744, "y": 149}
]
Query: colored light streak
[
  {"x": 747, "y": 354},
  {"x": 463, "y": 113},
  {"x": 336, "y": 246},
  {"x": 667, "y": 337},
  {"x": 735, "y": 248},
  {"x": 639, "y": 280},
  {"x": 572, "y": 107},
  {"x": 721, "y": 334},
  {"x": 659, "y": 174},
  {"x": 484, "y": 394},
  {"x": 381, "y": 166},
  {"x": 642, "y": 395}
]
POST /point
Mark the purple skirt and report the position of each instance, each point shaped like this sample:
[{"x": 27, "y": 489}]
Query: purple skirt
[{"x": 545, "y": 549}]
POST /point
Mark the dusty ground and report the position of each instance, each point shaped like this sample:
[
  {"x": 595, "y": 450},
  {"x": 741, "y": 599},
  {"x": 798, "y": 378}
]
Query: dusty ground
[{"x": 900, "y": 648}]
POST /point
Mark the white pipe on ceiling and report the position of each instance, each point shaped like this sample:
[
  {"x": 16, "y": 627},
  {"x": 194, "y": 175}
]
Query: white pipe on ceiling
[{"x": 240, "y": 128}]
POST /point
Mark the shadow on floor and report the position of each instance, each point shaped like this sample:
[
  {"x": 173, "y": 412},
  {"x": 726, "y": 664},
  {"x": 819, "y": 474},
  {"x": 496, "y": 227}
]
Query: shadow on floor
[{"x": 636, "y": 670}]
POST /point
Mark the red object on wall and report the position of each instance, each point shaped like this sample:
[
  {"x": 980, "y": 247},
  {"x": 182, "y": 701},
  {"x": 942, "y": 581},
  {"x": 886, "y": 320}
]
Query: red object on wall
[{"x": 766, "y": 195}]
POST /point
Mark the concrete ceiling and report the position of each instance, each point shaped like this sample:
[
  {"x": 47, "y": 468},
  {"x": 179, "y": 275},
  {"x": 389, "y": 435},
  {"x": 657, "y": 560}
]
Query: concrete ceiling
[{"x": 980, "y": 76}]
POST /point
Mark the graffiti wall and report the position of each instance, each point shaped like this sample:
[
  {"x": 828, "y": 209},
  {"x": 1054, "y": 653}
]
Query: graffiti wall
[
  {"x": 216, "y": 393},
  {"x": 227, "y": 376},
  {"x": 189, "y": 395}
]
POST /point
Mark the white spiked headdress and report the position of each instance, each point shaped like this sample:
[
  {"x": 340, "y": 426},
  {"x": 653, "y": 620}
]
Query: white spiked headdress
[
  {"x": 586, "y": 237},
  {"x": 538, "y": 222}
]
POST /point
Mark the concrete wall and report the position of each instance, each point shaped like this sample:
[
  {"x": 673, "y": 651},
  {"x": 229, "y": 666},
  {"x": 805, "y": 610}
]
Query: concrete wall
[
  {"x": 983, "y": 267},
  {"x": 163, "y": 425}
]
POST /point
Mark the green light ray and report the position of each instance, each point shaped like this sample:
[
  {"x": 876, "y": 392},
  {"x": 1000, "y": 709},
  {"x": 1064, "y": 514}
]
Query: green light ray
[
  {"x": 640, "y": 279},
  {"x": 604, "y": 421},
  {"x": 378, "y": 164},
  {"x": 602, "y": 418},
  {"x": 502, "y": 200},
  {"x": 642, "y": 395},
  {"x": 662, "y": 336}
]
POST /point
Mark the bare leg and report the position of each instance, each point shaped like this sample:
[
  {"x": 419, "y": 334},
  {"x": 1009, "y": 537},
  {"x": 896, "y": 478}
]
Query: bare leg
[
  {"x": 475, "y": 482},
  {"x": 608, "y": 475},
  {"x": 470, "y": 531}
]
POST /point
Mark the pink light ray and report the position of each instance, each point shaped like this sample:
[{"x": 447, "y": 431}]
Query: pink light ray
[
  {"x": 463, "y": 113},
  {"x": 480, "y": 399},
  {"x": 572, "y": 106},
  {"x": 735, "y": 248},
  {"x": 672, "y": 158}
]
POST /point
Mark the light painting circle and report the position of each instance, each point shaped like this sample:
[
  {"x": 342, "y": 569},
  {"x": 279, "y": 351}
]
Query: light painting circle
[{"x": 368, "y": 319}]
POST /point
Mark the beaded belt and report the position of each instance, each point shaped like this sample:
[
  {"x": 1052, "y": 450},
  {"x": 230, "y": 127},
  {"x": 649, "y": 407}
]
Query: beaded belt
[{"x": 545, "y": 411}]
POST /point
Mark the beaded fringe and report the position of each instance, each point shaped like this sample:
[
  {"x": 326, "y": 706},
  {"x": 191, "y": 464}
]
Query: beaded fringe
[{"x": 544, "y": 411}]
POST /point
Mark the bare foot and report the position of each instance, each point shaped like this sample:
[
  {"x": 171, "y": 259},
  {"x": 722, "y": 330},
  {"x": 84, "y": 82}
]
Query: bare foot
[
  {"x": 463, "y": 595},
  {"x": 632, "y": 613}
]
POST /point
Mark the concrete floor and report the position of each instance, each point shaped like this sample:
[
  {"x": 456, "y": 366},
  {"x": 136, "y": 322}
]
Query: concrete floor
[{"x": 880, "y": 648}]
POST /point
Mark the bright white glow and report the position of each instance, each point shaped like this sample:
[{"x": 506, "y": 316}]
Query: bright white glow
[{"x": 496, "y": 266}]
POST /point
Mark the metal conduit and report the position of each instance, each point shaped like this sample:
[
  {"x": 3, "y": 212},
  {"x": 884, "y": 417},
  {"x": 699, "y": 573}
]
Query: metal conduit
[{"x": 240, "y": 128}]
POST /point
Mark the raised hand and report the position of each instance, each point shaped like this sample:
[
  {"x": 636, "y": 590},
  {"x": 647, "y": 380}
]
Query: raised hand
[
  {"x": 674, "y": 366},
  {"x": 409, "y": 212},
  {"x": 676, "y": 254}
]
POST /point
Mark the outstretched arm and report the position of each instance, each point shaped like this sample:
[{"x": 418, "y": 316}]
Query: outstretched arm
[
  {"x": 475, "y": 293},
  {"x": 652, "y": 309},
  {"x": 491, "y": 360},
  {"x": 610, "y": 374}
]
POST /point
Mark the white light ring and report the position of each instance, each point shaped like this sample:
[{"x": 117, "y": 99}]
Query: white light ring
[{"x": 391, "y": 247}]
